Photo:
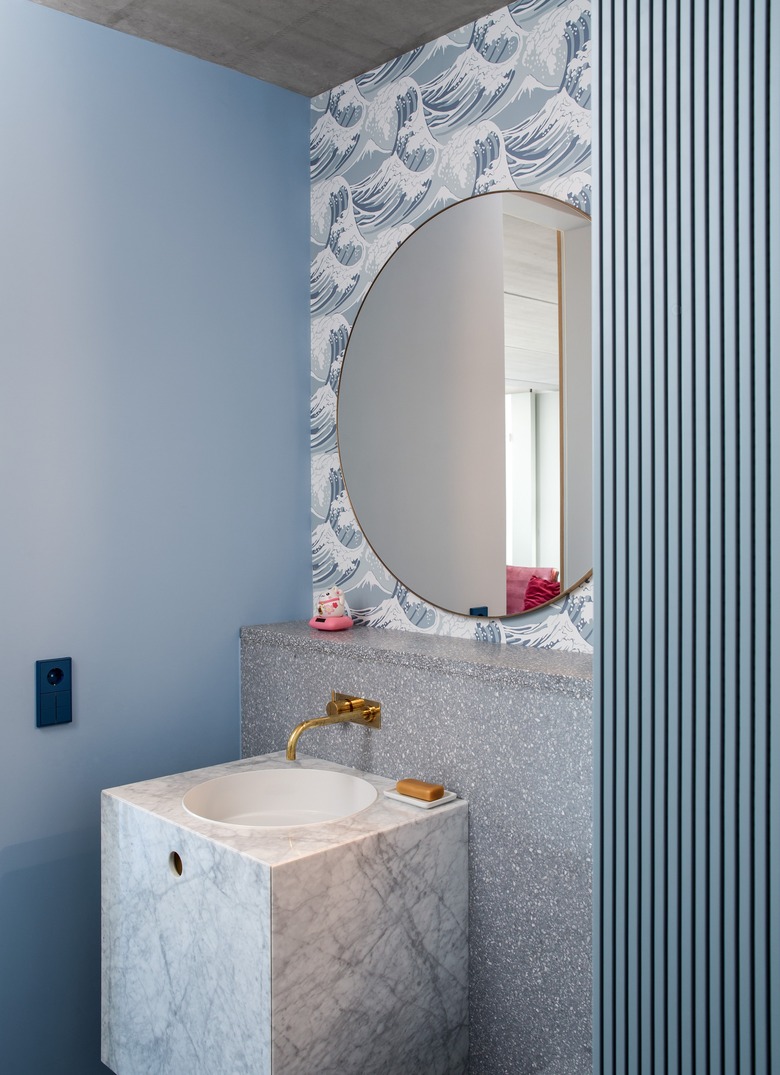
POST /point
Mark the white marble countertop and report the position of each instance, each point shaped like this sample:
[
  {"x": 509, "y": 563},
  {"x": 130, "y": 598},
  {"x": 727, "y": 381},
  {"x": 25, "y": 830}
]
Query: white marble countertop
[{"x": 163, "y": 798}]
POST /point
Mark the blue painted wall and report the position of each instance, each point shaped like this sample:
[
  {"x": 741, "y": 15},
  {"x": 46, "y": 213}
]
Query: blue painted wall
[{"x": 154, "y": 470}]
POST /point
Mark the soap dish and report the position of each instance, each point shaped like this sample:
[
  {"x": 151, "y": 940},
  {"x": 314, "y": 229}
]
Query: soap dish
[{"x": 423, "y": 804}]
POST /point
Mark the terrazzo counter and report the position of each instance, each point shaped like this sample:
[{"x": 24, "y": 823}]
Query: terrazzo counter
[
  {"x": 337, "y": 947},
  {"x": 506, "y": 727}
]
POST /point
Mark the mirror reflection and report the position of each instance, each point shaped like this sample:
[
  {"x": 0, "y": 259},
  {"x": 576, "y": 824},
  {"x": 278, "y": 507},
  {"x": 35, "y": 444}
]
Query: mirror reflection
[{"x": 464, "y": 406}]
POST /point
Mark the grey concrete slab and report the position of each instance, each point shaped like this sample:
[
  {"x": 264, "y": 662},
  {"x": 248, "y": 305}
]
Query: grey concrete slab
[{"x": 303, "y": 45}]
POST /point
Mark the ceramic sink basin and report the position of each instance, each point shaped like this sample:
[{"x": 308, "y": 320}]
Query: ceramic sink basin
[{"x": 271, "y": 798}]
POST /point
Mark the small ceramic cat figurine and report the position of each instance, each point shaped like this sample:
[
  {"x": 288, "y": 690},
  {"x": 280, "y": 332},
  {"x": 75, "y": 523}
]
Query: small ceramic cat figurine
[{"x": 332, "y": 611}]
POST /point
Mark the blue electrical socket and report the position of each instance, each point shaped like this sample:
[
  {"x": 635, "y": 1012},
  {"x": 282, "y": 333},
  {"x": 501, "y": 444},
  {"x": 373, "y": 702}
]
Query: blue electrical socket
[{"x": 53, "y": 692}]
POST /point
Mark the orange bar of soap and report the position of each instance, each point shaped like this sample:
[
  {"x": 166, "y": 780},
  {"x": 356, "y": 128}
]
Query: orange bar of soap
[{"x": 418, "y": 789}]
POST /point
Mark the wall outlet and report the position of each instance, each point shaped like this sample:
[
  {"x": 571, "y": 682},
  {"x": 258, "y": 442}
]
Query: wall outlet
[{"x": 53, "y": 692}]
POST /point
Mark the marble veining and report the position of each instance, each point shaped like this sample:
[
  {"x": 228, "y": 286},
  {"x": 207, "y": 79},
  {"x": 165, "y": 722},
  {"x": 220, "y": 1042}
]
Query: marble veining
[
  {"x": 385, "y": 925},
  {"x": 160, "y": 934},
  {"x": 338, "y": 947}
]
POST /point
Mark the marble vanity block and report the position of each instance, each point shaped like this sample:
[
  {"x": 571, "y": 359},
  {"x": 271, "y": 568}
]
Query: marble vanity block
[{"x": 335, "y": 948}]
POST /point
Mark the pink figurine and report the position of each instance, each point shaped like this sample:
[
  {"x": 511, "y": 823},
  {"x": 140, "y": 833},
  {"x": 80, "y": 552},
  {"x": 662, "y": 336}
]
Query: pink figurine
[{"x": 332, "y": 612}]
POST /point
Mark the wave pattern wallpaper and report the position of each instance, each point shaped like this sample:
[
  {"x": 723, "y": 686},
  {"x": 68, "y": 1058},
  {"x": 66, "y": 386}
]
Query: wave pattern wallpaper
[{"x": 501, "y": 104}]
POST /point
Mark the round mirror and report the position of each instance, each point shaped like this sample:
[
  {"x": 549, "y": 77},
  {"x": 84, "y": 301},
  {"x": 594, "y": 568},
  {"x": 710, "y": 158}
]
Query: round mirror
[{"x": 464, "y": 406}]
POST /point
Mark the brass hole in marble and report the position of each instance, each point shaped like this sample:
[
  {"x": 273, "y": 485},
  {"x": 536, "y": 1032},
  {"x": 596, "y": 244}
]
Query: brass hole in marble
[{"x": 175, "y": 863}]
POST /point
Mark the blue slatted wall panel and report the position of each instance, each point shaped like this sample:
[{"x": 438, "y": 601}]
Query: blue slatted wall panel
[{"x": 687, "y": 883}]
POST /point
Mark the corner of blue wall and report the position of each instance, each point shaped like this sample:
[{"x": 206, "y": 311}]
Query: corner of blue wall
[{"x": 154, "y": 466}]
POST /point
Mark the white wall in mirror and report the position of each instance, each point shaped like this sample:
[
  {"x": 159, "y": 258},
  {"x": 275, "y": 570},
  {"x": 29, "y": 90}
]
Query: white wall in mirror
[{"x": 420, "y": 413}]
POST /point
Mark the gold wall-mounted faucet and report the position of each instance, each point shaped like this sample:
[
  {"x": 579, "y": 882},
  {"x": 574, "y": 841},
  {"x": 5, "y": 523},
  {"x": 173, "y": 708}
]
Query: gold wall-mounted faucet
[{"x": 341, "y": 708}]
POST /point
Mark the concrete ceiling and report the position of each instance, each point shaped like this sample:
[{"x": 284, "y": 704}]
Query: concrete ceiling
[{"x": 303, "y": 45}]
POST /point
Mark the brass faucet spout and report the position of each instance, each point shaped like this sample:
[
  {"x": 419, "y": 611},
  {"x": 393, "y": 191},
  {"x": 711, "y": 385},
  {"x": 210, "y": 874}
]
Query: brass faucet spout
[
  {"x": 299, "y": 729},
  {"x": 341, "y": 709}
]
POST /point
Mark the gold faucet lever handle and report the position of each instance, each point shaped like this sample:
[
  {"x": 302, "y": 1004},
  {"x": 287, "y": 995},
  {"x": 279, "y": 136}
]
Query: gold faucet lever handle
[
  {"x": 366, "y": 711},
  {"x": 343, "y": 703}
]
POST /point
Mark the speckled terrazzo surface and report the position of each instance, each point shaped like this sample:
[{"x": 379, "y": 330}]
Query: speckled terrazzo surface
[
  {"x": 568, "y": 672},
  {"x": 507, "y": 728}
]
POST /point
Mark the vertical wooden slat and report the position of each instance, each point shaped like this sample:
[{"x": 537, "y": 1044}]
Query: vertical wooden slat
[
  {"x": 645, "y": 482},
  {"x": 771, "y": 138},
  {"x": 731, "y": 557},
  {"x": 688, "y": 528},
  {"x": 766, "y": 90},
  {"x": 719, "y": 517},
  {"x": 773, "y": 328},
  {"x": 603, "y": 757},
  {"x": 706, "y": 598},
  {"x": 632, "y": 540},
  {"x": 687, "y": 874}
]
